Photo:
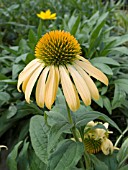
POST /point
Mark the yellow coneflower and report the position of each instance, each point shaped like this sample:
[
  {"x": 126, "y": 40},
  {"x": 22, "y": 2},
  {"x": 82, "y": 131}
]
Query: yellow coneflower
[
  {"x": 96, "y": 140},
  {"x": 47, "y": 15},
  {"x": 57, "y": 61}
]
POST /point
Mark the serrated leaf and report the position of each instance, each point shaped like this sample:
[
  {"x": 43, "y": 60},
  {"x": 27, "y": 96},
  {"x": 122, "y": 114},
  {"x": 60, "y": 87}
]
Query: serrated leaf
[
  {"x": 123, "y": 153},
  {"x": 11, "y": 160},
  {"x": 66, "y": 155},
  {"x": 39, "y": 137}
]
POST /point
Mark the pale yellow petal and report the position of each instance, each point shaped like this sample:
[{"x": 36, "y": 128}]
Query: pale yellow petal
[
  {"x": 40, "y": 88},
  {"x": 31, "y": 64},
  {"x": 107, "y": 146},
  {"x": 69, "y": 90},
  {"x": 83, "y": 59},
  {"x": 25, "y": 82},
  {"x": 31, "y": 82},
  {"x": 80, "y": 84},
  {"x": 93, "y": 71},
  {"x": 91, "y": 85},
  {"x": 25, "y": 74},
  {"x": 51, "y": 87}
]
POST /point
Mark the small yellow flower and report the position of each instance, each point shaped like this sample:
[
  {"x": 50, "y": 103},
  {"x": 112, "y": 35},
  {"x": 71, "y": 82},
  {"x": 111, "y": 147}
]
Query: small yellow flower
[
  {"x": 57, "y": 61},
  {"x": 47, "y": 15}
]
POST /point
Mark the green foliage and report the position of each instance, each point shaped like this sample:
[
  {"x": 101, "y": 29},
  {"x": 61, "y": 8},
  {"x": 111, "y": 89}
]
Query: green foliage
[{"x": 39, "y": 139}]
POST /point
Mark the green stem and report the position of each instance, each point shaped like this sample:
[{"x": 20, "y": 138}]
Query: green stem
[
  {"x": 120, "y": 137},
  {"x": 74, "y": 131},
  {"x": 86, "y": 155}
]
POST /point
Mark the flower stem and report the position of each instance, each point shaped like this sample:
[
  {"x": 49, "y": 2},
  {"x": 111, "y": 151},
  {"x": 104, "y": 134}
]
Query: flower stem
[{"x": 74, "y": 132}]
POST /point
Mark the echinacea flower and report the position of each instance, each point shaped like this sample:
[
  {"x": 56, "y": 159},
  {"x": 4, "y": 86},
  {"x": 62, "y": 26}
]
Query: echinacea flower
[
  {"x": 57, "y": 61},
  {"x": 96, "y": 139},
  {"x": 47, "y": 15}
]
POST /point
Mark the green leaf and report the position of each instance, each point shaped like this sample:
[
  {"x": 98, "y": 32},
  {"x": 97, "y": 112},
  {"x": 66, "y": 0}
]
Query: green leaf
[
  {"x": 103, "y": 67},
  {"x": 122, "y": 50},
  {"x": 11, "y": 111},
  {"x": 96, "y": 31},
  {"x": 119, "y": 97},
  {"x": 121, "y": 39},
  {"x": 39, "y": 137},
  {"x": 123, "y": 84},
  {"x": 15, "y": 69},
  {"x": 107, "y": 104},
  {"x": 98, "y": 165},
  {"x": 123, "y": 153},
  {"x": 39, "y": 30},
  {"x": 104, "y": 60},
  {"x": 32, "y": 39},
  {"x": 55, "y": 133},
  {"x": 124, "y": 168},
  {"x": 11, "y": 160},
  {"x": 2, "y": 76},
  {"x": 109, "y": 160},
  {"x": 75, "y": 26},
  {"x": 82, "y": 117},
  {"x": 66, "y": 155},
  {"x": 23, "y": 163},
  {"x": 4, "y": 97},
  {"x": 34, "y": 162},
  {"x": 99, "y": 102},
  {"x": 57, "y": 114}
]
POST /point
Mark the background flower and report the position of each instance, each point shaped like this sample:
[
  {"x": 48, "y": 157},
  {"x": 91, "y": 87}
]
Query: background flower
[{"x": 47, "y": 15}]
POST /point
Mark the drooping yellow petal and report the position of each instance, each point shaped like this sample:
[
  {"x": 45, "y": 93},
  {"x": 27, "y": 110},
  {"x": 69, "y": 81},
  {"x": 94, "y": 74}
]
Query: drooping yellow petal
[
  {"x": 31, "y": 82},
  {"x": 25, "y": 74},
  {"x": 81, "y": 86},
  {"x": 51, "y": 87},
  {"x": 40, "y": 88},
  {"x": 33, "y": 62},
  {"x": 25, "y": 82},
  {"x": 69, "y": 90},
  {"x": 93, "y": 71},
  {"x": 107, "y": 146},
  {"x": 91, "y": 85}
]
